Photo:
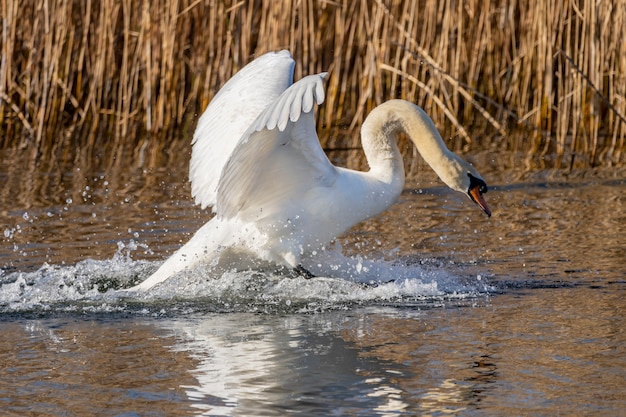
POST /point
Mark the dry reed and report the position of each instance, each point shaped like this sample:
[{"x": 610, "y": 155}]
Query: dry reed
[{"x": 547, "y": 78}]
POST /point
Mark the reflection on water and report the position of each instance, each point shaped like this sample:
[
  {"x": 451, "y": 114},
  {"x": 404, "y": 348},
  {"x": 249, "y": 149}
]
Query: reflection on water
[
  {"x": 519, "y": 314},
  {"x": 514, "y": 355}
]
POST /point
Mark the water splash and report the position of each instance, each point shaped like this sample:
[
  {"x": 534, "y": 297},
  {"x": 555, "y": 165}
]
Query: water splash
[{"x": 97, "y": 286}]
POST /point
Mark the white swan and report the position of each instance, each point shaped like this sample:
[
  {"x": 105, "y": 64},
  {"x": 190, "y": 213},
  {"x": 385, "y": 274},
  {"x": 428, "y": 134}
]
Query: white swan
[{"x": 257, "y": 160}]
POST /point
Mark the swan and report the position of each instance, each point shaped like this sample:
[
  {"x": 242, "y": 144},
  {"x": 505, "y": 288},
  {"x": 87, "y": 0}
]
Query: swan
[{"x": 257, "y": 161}]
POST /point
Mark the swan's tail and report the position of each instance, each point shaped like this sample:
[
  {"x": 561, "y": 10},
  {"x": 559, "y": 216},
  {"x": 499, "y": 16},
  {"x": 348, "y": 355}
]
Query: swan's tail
[{"x": 203, "y": 247}]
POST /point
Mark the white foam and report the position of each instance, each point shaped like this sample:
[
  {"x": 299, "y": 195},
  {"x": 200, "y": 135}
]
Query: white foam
[{"x": 342, "y": 280}]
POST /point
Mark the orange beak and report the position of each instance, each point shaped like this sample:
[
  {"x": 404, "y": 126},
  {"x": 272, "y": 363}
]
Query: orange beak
[{"x": 477, "y": 197}]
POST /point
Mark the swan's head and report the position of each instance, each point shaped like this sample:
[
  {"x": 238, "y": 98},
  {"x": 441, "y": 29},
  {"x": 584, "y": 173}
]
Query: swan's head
[
  {"x": 475, "y": 190},
  {"x": 463, "y": 177}
]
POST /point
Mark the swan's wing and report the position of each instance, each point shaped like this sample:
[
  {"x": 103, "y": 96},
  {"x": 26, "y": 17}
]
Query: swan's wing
[
  {"x": 279, "y": 159},
  {"x": 229, "y": 115}
]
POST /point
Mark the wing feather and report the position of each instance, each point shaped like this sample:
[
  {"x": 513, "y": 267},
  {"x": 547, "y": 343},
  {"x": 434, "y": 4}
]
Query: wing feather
[
  {"x": 229, "y": 115},
  {"x": 279, "y": 159}
]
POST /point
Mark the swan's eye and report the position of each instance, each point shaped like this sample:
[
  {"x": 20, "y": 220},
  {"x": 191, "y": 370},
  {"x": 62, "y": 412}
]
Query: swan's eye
[{"x": 477, "y": 183}]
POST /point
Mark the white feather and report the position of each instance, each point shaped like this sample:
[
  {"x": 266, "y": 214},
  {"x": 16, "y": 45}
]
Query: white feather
[
  {"x": 233, "y": 109},
  {"x": 278, "y": 160}
]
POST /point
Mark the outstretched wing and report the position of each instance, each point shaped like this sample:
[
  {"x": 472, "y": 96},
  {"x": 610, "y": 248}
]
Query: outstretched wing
[
  {"x": 279, "y": 159},
  {"x": 229, "y": 115}
]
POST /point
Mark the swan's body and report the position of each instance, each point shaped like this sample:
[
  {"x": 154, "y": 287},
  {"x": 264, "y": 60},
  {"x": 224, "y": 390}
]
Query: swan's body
[{"x": 257, "y": 160}]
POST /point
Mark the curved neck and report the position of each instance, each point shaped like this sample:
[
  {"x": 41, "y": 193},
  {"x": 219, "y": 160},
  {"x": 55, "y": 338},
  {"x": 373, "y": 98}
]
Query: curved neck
[{"x": 378, "y": 136}]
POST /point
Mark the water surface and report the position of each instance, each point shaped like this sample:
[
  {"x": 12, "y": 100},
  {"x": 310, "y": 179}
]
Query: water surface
[{"x": 429, "y": 309}]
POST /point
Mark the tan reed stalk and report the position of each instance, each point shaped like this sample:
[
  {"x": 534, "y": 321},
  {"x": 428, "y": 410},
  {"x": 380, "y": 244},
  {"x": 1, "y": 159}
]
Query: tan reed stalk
[{"x": 103, "y": 75}]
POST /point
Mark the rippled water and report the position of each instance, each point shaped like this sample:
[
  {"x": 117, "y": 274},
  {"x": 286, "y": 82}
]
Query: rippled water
[{"x": 428, "y": 309}]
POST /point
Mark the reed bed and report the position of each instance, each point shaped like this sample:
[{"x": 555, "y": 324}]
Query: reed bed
[{"x": 547, "y": 78}]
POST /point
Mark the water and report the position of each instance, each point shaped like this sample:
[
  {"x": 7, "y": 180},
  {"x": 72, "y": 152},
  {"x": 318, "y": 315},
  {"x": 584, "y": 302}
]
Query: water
[{"x": 429, "y": 309}]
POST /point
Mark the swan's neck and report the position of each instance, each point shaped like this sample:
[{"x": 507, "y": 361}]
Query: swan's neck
[{"x": 378, "y": 136}]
